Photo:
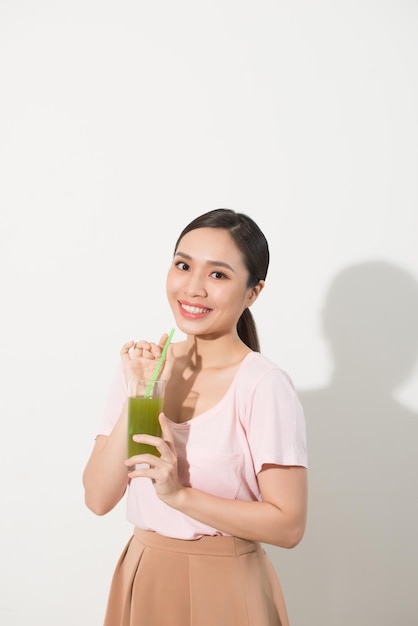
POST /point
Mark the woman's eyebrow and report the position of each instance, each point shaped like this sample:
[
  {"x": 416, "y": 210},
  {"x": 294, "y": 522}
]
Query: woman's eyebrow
[{"x": 208, "y": 262}]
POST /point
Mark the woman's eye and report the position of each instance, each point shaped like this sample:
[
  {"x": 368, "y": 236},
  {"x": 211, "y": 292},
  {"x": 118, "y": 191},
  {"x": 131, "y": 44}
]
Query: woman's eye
[
  {"x": 182, "y": 265},
  {"x": 218, "y": 275}
]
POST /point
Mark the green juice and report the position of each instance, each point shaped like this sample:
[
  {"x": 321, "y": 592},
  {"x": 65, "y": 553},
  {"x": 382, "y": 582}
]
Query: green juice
[{"x": 143, "y": 418}]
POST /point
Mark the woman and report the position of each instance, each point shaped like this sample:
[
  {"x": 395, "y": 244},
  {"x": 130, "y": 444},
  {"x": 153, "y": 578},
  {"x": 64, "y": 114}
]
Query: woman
[{"x": 232, "y": 470}]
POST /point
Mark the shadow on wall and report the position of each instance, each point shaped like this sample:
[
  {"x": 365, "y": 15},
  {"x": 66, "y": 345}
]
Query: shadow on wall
[{"x": 358, "y": 562}]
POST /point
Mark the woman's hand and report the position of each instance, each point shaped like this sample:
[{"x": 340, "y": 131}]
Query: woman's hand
[
  {"x": 140, "y": 358},
  {"x": 162, "y": 470}
]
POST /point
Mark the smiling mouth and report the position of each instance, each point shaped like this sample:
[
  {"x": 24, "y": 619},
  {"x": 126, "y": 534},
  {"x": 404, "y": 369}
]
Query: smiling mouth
[{"x": 195, "y": 310}]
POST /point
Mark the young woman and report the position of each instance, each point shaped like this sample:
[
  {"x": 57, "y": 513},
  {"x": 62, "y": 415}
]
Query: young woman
[{"x": 232, "y": 470}]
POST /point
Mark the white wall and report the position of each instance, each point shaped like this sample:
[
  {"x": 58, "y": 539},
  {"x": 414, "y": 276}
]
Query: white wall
[{"x": 119, "y": 122}]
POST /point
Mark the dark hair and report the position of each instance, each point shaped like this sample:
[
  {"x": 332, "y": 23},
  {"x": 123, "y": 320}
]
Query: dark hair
[{"x": 251, "y": 241}]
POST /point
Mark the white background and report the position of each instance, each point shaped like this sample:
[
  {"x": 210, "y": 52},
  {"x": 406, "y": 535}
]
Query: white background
[{"x": 120, "y": 122}]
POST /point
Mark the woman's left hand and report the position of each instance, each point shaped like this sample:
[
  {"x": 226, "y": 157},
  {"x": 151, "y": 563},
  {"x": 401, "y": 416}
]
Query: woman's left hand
[{"x": 163, "y": 469}]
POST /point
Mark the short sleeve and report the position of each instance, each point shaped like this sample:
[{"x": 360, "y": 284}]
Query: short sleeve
[
  {"x": 275, "y": 422},
  {"x": 114, "y": 403}
]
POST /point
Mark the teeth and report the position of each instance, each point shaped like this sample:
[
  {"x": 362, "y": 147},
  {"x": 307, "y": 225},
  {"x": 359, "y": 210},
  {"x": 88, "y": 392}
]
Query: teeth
[{"x": 194, "y": 309}]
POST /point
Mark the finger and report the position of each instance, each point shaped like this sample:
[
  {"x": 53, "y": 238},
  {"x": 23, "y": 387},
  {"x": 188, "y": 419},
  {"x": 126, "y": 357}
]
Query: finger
[
  {"x": 142, "y": 345},
  {"x": 145, "y": 471},
  {"x": 158, "y": 348},
  {"x": 143, "y": 349},
  {"x": 167, "y": 433},
  {"x": 124, "y": 351},
  {"x": 164, "y": 446},
  {"x": 154, "y": 350},
  {"x": 149, "y": 440},
  {"x": 163, "y": 340},
  {"x": 141, "y": 459},
  {"x": 126, "y": 347}
]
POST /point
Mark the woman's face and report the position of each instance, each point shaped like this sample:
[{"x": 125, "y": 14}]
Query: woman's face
[{"x": 207, "y": 283}]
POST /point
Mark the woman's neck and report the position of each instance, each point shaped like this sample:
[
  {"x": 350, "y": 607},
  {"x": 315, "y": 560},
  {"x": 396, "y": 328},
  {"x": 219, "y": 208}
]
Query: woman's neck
[{"x": 218, "y": 353}]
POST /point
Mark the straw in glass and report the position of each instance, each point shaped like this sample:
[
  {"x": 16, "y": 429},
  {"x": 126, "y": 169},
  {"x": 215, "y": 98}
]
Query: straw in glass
[{"x": 159, "y": 364}]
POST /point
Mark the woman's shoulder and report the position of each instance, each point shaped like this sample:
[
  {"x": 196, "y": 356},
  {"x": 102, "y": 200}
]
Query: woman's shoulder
[
  {"x": 258, "y": 363},
  {"x": 260, "y": 372}
]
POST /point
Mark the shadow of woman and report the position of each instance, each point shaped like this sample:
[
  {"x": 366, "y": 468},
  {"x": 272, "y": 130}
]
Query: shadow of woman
[{"x": 358, "y": 562}]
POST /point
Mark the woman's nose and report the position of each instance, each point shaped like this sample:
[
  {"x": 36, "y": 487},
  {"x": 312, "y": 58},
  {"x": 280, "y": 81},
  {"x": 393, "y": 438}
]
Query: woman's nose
[{"x": 195, "y": 285}]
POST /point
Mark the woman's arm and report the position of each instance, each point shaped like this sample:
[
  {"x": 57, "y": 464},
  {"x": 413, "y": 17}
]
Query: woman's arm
[
  {"x": 105, "y": 477},
  {"x": 279, "y": 519}
]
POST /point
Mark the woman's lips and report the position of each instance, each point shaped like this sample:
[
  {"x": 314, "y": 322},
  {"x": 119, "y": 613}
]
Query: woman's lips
[{"x": 193, "y": 310}]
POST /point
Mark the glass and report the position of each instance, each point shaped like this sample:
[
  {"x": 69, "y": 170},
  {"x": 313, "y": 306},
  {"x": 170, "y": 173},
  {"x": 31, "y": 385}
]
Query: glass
[{"x": 145, "y": 403}]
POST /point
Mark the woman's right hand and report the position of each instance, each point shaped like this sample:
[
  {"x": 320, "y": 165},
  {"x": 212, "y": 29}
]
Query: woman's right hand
[{"x": 140, "y": 358}]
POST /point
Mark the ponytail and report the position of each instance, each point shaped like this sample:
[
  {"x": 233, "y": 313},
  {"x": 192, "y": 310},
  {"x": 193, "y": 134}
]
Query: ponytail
[{"x": 247, "y": 331}]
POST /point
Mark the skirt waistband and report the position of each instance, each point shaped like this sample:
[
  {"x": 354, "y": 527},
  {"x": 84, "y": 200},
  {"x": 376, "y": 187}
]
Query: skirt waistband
[{"x": 217, "y": 545}]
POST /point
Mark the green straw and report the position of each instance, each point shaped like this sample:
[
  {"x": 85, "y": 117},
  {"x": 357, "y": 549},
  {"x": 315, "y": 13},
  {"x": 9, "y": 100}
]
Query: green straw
[{"x": 158, "y": 366}]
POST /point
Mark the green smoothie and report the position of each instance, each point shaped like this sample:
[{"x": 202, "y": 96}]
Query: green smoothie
[{"x": 143, "y": 418}]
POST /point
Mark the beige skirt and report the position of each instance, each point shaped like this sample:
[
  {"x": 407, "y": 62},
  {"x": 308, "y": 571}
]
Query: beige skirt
[{"x": 212, "y": 581}]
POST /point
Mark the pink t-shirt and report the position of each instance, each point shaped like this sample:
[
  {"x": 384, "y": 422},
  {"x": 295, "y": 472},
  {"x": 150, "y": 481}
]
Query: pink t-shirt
[{"x": 259, "y": 420}]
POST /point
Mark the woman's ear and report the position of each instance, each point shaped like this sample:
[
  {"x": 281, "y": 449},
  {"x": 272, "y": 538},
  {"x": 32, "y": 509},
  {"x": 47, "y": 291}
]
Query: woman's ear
[{"x": 255, "y": 292}]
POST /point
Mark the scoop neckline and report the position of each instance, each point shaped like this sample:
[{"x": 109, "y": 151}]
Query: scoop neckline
[{"x": 202, "y": 416}]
